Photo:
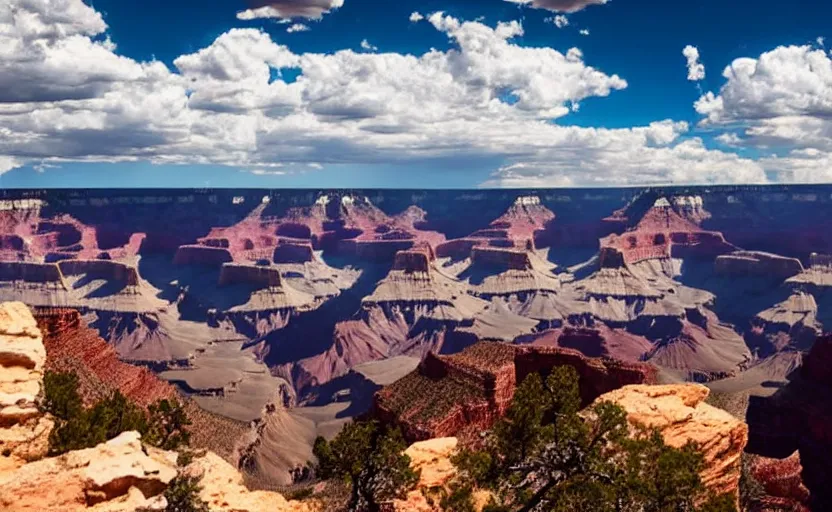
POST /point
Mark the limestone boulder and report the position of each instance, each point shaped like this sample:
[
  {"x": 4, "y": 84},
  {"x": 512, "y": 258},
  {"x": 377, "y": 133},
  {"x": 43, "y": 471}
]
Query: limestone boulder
[
  {"x": 432, "y": 458},
  {"x": 117, "y": 475},
  {"x": 24, "y": 432},
  {"x": 678, "y": 411},
  {"x": 223, "y": 490}
]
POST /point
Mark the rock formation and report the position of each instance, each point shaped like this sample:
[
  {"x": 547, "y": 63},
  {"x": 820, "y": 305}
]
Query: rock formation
[
  {"x": 223, "y": 490},
  {"x": 680, "y": 414},
  {"x": 799, "y": 417},
  {"x": 79, "y": 480},
  {"x": 24, "y": 432},
  {"x": 470, "y": 390},
  {"x": 432, "y": 458}
]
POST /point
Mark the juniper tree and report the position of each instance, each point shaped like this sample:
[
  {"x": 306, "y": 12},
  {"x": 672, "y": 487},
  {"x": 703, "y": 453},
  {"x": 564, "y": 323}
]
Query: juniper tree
[{"x": 369, "y": 458}]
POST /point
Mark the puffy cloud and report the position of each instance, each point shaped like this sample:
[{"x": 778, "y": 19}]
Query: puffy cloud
[
  {"x": 7, "y": 164},
  {"x": 485, "y": 98},
  {"x": 696, "y": 70},
  {"x": 560, "y": 21},
  {"x": 365, "y": 45},
  {"x": 416, "y": 17},
  {"x": 559, "y": 5},
  {"x": 297, "y": 27},
  {"x": 787, "y": 81},
  {"x": 289, "y": 9},
  {"x": 781, "y": 102},
  {"x": 584, "y": 32}
]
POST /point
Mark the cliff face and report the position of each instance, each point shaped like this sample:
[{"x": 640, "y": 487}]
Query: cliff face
[
  {"x": 799, "y": 417},
  {"x": 24, "y": 431},
  {"x": 467, "y": 392},
  {"x": 72, "y": 346},
  {"x": 680, "y": 414}
]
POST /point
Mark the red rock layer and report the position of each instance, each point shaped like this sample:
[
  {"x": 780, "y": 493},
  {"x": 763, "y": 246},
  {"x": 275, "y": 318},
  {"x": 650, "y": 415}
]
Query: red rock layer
[
  {"x": 782, "y": 483},
  {"x": 506, "y": 259},
  {"x": 451, "y": 395},
  {"x": 71, "y": 345},
  {"x": 662, "y": 233},
  {"x": 417, "y": 260},
  {"x": 521, "y": 227},
  {"x": 799, "y": 417},
  {"x": 202, "y": 255},
  {"x": 103, "y": 269},
  {"x": 261, "y": 277}
]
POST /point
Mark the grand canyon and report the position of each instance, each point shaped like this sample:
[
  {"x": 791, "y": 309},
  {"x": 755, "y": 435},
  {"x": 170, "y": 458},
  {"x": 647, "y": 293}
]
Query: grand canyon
[{"x": 279, "y": 315}]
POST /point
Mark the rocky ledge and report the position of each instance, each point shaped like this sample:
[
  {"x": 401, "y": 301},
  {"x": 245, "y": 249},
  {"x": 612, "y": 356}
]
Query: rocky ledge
[{"x": 680, "y": 413}]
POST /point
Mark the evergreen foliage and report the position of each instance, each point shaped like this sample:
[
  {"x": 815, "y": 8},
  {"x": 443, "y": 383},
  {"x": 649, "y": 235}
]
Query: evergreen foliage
[
  {"x": 371, "y": 460},
  {"x": 544, "y": 455},
  {"x": 163, "y": 426}
]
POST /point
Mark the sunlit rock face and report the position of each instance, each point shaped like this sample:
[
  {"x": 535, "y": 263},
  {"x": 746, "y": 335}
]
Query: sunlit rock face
[
  {"x": 24, "y": 431},
  {"x": 680, "y": 414}
]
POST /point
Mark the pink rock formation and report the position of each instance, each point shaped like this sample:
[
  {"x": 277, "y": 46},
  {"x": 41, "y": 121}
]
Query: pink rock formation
[
  {"x": 678, "y": 411},
  {"x": 432, "y": 458},
  {"x": 518, "y": 228},
  {"x": 662, "y": 232}
]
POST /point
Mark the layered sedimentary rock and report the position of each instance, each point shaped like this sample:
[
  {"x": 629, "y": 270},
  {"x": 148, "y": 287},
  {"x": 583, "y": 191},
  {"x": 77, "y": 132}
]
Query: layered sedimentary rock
[
  {"x": 782, "y": 483},
  {"x": 518, "y": 227},
  {"x": 680, "y": 414},
  {"x": 668, "y": 229},
  {"x": 24, "y": 431},
  {"x": 73, "y": 346},
  {"x": 470, "y": 390},
  {"x": 108, "y": 476},
  {"x": 756, "y": 263},
  {"x": 799, "y": 417}
]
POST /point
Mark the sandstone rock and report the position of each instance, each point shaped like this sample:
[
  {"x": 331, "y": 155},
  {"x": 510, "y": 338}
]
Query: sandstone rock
[
  {"x": 432, "y": 458},
  {"x": 678, "y": 411},
  {"x": 23, "y": 431},
  {"x": 223, "y": 490},
  {"x": 103, "y": 475}
]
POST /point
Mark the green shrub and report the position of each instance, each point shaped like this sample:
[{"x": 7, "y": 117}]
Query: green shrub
[{"x": 164, "y": 425}]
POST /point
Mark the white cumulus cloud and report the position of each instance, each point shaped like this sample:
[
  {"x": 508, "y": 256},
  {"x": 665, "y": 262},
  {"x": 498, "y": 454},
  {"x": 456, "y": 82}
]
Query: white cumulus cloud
[
  {"x": 696, "y": 70},
  {"x": 416, "y": 16},
  {"x": 560, "y": 21},
  {"x": 487, "y": 97},
  {"x": 365, "y": 45},
  {"x": 297, "y": 27},
  {"x": 584, "y": 32},
  {"x": 290, "y": 9}
]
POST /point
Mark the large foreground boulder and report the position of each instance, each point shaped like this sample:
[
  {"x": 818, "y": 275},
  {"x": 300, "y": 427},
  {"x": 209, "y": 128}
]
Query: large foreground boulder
[
  {"x": 223, "y": 490},
  {"x": 116, "y": 475},
  {"x": 678, "y": 411}
]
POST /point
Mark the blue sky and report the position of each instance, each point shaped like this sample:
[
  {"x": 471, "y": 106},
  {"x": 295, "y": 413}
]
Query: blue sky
[{"x": 126, "y": 109}]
